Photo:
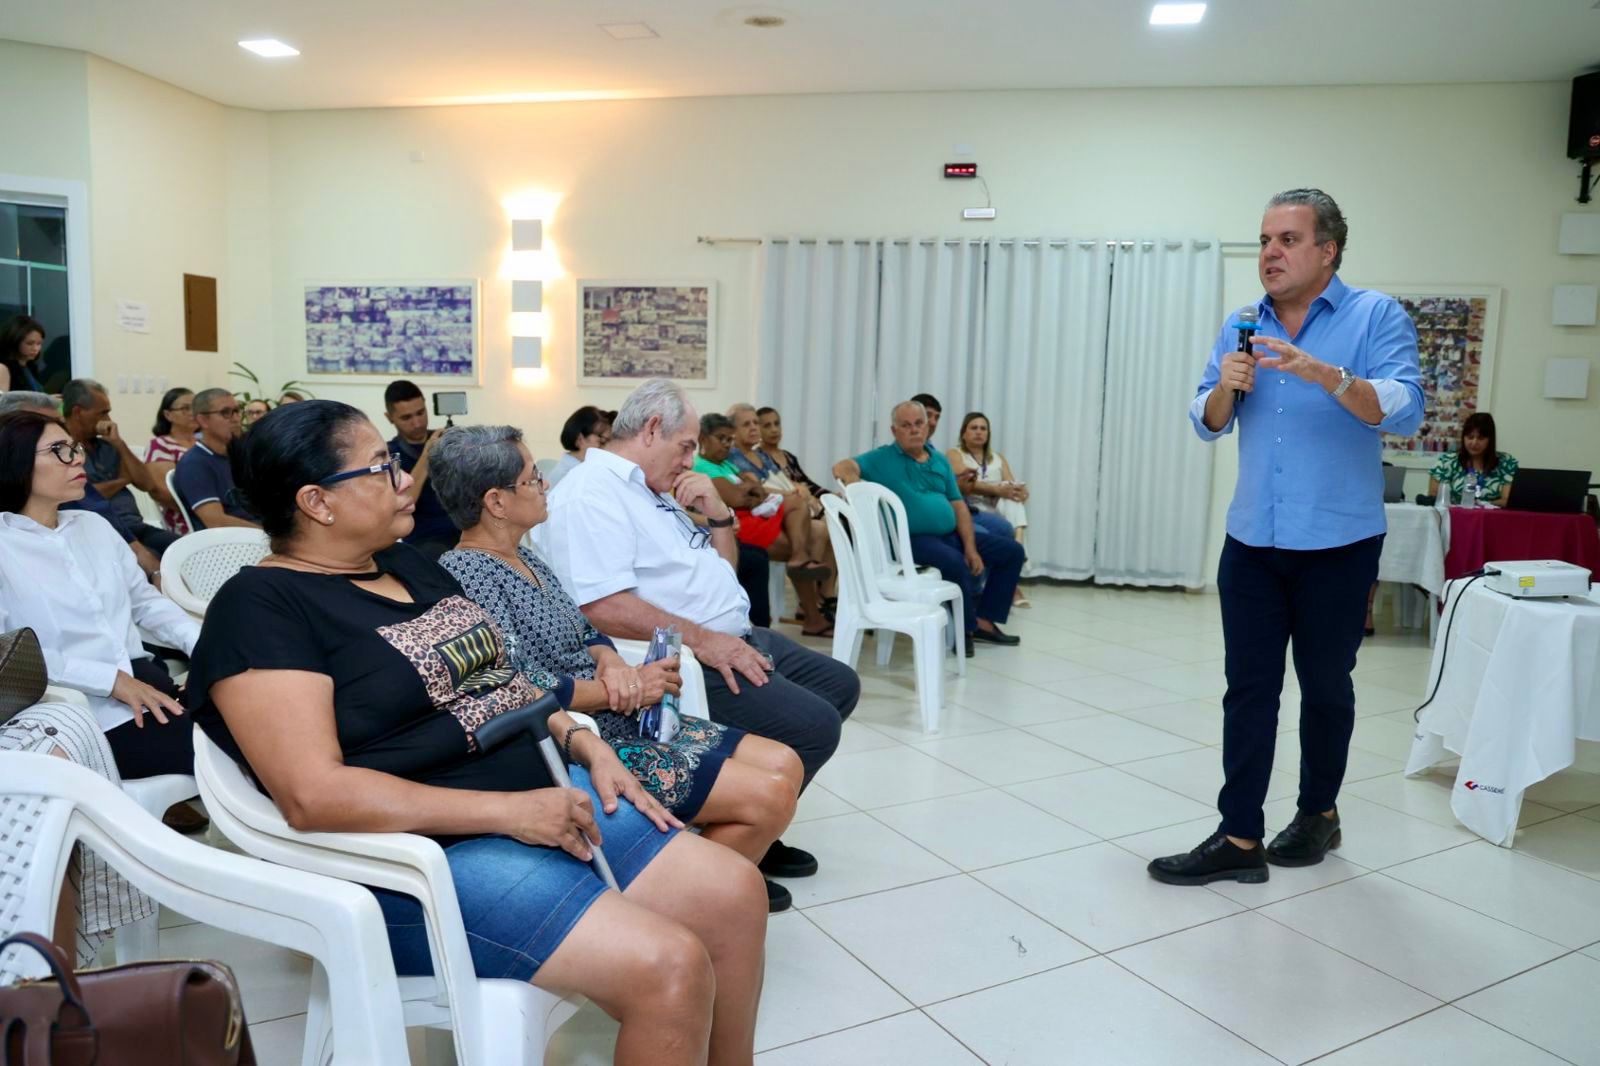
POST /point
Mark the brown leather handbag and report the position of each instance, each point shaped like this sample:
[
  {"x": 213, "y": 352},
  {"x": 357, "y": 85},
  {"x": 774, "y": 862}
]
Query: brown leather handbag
[
  {"x": 143, "y": 1014},
  {"x": 22, "y": 674}
]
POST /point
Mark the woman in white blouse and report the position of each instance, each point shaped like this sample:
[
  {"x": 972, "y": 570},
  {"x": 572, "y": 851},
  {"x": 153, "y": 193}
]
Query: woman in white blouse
[
  {"x": 996, "y": 490},
  {"x": 71, "y": 578}
]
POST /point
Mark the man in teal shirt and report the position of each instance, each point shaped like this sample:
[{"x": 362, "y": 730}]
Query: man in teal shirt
[{"x": 942, "y": 533}]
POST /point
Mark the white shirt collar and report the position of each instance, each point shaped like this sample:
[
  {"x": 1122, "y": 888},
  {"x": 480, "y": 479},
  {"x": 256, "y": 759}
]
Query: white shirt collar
[{"x": 23, "y": 524}]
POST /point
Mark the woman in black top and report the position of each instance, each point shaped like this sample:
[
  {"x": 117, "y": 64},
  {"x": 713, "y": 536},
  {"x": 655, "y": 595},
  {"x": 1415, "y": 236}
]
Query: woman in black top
[{"x": 351, "y": 675}]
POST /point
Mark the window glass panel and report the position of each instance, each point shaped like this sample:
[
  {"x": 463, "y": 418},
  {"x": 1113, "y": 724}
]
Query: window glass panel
[
  {"x": 54, "y": 367},
  {"x": 10, "y": 247},
  {"x": 42, "y": 234},
  {"x": 13, "y": 290}
]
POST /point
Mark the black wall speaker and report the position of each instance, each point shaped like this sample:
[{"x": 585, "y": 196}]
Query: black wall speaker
[{"x": 1583, "y": 134}]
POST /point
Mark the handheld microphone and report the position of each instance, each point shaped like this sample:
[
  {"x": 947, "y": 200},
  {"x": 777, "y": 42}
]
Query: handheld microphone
[{"x": 1249, "y": 322}]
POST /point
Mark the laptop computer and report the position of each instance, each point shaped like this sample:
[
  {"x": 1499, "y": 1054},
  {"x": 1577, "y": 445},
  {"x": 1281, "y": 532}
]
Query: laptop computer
[
  {"x": 1554, "y": 491},
  {"x": 1394, "y": 483}
]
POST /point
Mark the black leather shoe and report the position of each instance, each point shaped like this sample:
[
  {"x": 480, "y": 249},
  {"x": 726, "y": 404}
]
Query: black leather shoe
[
  {"x": 1304, "y": 841},
  {"x": 778, "y": 898},
  {"x": 783, "y": 861},
  {"x": 994, "y": 636},
  {"x": 1217, "y": 859}
]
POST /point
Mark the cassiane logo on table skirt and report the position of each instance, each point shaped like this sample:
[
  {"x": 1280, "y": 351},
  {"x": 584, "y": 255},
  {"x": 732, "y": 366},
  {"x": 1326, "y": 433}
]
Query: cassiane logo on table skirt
[{"x": 1478, "y": 786}]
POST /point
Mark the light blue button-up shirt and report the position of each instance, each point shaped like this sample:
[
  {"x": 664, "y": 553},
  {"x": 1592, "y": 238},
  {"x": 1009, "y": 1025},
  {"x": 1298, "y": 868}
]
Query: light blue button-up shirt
[{"x": 1310, "y": 472}]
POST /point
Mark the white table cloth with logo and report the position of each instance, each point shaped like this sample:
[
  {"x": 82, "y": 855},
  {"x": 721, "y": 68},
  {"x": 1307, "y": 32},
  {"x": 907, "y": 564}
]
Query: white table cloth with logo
[{"x": 1520, "y": 688}]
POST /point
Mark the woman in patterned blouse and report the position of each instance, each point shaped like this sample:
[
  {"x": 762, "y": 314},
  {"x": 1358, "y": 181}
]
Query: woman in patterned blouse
[
  {"x": 1475, "y": 465},
  {"x": 739, "y": 787}
]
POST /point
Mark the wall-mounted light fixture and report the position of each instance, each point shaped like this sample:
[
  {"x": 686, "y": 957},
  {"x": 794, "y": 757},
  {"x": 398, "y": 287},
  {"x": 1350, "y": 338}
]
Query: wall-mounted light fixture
[{"x": 527, "y": 304}]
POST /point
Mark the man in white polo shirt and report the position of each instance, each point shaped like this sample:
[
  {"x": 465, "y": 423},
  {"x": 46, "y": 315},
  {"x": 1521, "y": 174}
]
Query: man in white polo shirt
[{"x": 627, "y": 550}]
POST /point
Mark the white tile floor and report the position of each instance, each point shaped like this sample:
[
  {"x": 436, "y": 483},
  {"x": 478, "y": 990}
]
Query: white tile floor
[{"x": 983, "y": 898}]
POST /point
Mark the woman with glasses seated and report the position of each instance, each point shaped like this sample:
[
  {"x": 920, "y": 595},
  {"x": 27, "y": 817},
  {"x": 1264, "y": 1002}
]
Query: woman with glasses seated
[
  {"x": 740, "y": 788},
  {"x": 351, "y": 674},
  {"x": 172, "y": 436},
  {"x": 70, "y": 577}
]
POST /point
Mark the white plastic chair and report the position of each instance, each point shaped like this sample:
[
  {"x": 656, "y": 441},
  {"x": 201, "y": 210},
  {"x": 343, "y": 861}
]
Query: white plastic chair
[
  {"x": 494, "y": 1022},
  {"x": 183, "y": 508},
  {"x": 895, "y": 574},
  {"x": 197, "y": 565},
  {"x": 777, "y": 579},
  {"x": 692, "y": 697},
  {"x": 862, "y": 606},
  {"x": 56, "y": 804}
]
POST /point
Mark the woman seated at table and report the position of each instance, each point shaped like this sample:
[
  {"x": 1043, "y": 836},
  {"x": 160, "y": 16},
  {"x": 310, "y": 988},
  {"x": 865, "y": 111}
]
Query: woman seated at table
[
  {"x": 351, "y": 674},
  {"x": 742, "y": 788},
  {"x": 1475, "y": 468}
]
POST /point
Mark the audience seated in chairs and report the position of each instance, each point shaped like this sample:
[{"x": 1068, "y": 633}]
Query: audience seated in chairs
[
  {"x": 172, "y": 435},
  {"x": 432, "y": 532},
  {"x": 966, "y": 477},
  {"x": 740, "y": 788},
  {"x": 743, "y": 491},
  {"x": 633, "y": 559},
  {"x": 995, "y": 490},
  {"x": 941, "y": 527},
  {"x": 770, "y": 423},
  {"x": 112, "y": 467},
  {"x": 67, "y": 575},
  {"x": 350, "y": 673},
  {"x": 587, "y": 427},
  {"x": 95, "y": 899},
  {"x": 203, "y": 477}
]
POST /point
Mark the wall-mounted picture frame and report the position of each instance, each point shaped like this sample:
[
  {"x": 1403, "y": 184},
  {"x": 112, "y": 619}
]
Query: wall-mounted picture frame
[
  {"x": 426, "y": 330},
  {"x": 632, "y": 330},
  {"x": 1457, "y": 330}
]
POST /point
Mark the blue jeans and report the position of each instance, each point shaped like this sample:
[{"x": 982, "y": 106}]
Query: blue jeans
[
  {"x": 518, "y": 901},
  {"x": 991, "y": 522},
  {"x": 1002, "y": 565},
  {"x": 1319, "y": 600}
]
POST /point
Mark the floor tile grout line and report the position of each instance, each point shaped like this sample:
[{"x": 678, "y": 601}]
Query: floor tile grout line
[
  {"x": 1486, "y": 914},
  {"x": 1192, "y": 1009}
]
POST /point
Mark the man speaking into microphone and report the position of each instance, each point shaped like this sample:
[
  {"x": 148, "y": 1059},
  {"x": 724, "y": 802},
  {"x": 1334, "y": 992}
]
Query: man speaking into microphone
[{"x": 1331, "y": 368}]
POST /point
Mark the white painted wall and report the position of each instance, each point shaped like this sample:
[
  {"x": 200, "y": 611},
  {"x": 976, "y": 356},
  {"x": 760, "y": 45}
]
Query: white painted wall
[{"x": 44, "y": 123}]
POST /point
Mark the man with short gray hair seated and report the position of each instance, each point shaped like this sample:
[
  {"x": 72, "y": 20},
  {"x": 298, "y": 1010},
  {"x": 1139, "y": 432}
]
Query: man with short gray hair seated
[{"x": 626, "y": 549}]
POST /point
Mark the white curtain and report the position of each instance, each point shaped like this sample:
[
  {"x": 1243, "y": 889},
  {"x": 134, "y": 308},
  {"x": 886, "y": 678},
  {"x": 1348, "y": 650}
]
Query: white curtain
[
  {"x": 930, "y": 328},
  {"x": 819, "y": 325},
  {"x": 1155, "y": 474},
  {"x": 1040, "y": 383}
]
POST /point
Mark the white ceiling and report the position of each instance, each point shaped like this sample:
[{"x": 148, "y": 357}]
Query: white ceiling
[{"x": 382, "y": 53}]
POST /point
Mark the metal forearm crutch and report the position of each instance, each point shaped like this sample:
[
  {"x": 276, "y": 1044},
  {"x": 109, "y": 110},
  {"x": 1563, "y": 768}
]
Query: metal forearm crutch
[{"x": 534, "y": 720}]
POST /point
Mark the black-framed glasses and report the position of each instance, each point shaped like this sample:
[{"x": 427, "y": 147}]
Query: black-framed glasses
[
  {"x": 699, "y": 536},
  {"x": 392, "y": 468},
  {"x": 224, "y": 412},
  {"x": 67, "y": 452}
]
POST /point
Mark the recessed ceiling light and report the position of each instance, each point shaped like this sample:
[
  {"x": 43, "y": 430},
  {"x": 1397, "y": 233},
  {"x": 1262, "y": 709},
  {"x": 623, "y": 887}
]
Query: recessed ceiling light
[
  {"x": 629, "y": 31},
  {"x": 1177, "y": 14},
  {"x": 270, "y": 47},
  {"x": 765, "y": 22}
]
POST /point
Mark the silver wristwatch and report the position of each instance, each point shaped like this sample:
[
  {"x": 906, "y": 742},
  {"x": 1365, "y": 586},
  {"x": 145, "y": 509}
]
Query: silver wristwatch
[{"x": 1346, "y": 378}]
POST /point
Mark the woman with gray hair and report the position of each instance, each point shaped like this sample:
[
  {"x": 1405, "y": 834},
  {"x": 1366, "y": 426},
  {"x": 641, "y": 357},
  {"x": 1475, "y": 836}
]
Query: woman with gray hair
[{"x": 740, "y": 788}]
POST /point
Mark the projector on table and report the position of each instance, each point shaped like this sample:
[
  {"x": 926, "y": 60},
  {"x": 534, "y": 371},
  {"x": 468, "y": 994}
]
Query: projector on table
[{"x": 1537, "y": 578}]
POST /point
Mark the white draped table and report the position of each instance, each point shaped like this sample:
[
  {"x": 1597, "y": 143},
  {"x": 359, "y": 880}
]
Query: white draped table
[
  {"x": 1520, "y": 688},
  {"x": 1413, "y": 555}
]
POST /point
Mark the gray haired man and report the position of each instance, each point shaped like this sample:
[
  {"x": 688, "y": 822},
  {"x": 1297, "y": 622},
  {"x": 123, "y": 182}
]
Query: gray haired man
[{"x": 626, "y": 549}]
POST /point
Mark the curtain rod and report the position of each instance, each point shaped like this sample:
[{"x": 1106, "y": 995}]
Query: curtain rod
[{"x": 1225, "y": 245}]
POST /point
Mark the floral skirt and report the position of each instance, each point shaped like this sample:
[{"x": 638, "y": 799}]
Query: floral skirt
[{"x": 680, "y": 774}]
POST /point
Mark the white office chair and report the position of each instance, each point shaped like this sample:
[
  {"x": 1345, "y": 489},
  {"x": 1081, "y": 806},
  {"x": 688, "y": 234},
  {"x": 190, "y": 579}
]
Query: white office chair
[
  {"x": 862, "y": 606},
  {"x": 885, "y": 553},
  {"x": 183, "y": 508},
  {"x": 196, "y": 566},
  {"x": 494, "y": 1022},
  {"x": 52, "y": 804}
]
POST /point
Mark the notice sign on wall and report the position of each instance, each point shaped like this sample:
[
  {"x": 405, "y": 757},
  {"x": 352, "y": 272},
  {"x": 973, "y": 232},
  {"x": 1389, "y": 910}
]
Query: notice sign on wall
[{"x": 133, "y": 316}]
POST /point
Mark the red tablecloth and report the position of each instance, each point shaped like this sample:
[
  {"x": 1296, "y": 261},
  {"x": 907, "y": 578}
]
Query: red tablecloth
[{"x": 1483, "y": 534}]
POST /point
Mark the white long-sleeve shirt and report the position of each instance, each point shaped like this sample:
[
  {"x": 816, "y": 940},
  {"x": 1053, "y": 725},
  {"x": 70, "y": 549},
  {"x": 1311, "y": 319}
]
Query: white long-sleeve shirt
[{"x": 81, "y": 590}]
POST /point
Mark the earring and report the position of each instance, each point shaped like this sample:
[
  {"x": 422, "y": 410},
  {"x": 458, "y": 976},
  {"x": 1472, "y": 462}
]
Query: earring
[{"x": 328, "y": 520}]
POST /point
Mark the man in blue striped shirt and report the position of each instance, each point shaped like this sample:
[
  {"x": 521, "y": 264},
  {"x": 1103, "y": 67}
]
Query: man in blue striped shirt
[{"x": 1331, "y": 368}]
